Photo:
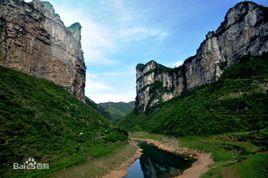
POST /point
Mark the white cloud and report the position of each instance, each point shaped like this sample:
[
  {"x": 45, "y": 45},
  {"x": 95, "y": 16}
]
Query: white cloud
[
  {"x": 94, "y": 56},
  {"x": 128, "y": 31},
  {"x": 127, "y": 71},
  {"x": 99, "y": 89},
  {"x": 162, "y": 35},
  {"x": 177, "y": 63},
  {"x": 97, "y": 41},
  {"x": 103, "y": 39},
  {"x": 140, "y": 33},
  {"x": 124, "y": 14},
  {"x": 94, "y": 86},
  {"x": 100, "y": 41}
]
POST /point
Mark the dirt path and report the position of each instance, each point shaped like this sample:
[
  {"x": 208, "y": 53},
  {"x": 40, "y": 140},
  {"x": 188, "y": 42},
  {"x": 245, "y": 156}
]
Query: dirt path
[{"x": 199, "y": 167}]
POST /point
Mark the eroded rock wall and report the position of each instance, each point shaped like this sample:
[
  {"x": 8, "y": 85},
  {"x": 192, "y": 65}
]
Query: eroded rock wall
[
  {"x": 34, "y": 40},
  {"x": 243, "y": 32}
]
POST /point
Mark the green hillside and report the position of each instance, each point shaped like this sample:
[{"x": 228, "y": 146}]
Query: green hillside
[
  {"x": 238, "y": 101},
  {"x": 98, "y": 108},
  {"x": 41, "y": 120},
  {"x": 118, "y": 110}
]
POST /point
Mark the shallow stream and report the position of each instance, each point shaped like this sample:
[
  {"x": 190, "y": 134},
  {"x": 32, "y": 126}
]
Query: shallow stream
[{"x": 156, "y": 163}]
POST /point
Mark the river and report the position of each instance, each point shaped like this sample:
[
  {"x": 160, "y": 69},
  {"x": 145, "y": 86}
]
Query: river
[{"x": 156, "y": 163}]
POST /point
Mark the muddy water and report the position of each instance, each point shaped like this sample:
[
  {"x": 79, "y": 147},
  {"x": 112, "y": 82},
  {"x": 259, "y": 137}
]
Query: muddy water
[{"x": 156, "y": 163}]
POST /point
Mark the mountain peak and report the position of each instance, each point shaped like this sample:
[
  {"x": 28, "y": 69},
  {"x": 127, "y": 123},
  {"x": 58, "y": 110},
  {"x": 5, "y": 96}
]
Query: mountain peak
[
  {"x": 76, "y": 30},
  {"x": 242, "y": 10},
  {"x": 243, "y": 32}
]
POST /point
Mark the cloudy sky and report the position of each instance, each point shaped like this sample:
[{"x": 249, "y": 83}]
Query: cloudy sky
[{"x": 118, "y": 34}]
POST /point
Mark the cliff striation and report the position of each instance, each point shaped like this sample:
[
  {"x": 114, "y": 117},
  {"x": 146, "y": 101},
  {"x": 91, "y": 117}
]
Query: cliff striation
[
  {"x": 35, "y": 41},
  {"x": 243, "y": 32}
]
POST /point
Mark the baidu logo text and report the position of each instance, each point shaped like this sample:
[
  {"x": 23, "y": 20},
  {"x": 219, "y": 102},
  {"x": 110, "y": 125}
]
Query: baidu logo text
[{"x": 29, "y": 164}]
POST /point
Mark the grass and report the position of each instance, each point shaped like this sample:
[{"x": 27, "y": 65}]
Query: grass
[
  {"x": 98, "y": 167},
  {"x": 254, "y": 166},
  {"x": 238, "y": 101},
  {"x": 146, "y": 135},
  {"x": 98, "y": 108},
  {"x": 100, "y": 150},
  {"x": 227, "y": 118},
  {"x": 117, "y": 110},
  {"x": 242, "y": 154},
  {"x": 41, "y": 120},
  {"x": 235, "y": 155}
]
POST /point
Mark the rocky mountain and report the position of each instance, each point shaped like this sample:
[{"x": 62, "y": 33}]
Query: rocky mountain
[
  {"x": 35, "y": 41},
  {"x": 237, "y": 101},
  {"x": 243, "y": 32}
]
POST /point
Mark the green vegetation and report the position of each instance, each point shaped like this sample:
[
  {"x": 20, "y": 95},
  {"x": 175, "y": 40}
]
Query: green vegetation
[
  {"x": 41, "y": 120},
  {"x": 158, "y": 69},
  {"x": 117, "y": 110},
  {"x": 236, "y": 154},
  {"x": 98, "y": 108},
  {"x": 146, "y": 135},
  {"x": 98, "y": 167},
  {"x": 140, "y": 66},
  {"x": 241, "y": 154},
  {"x": 227, "y": 118},
  {"x": 238, "y": 101}
]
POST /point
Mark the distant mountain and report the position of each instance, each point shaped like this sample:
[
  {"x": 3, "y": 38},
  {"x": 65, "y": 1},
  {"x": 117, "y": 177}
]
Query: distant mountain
[
  {"x": 98, "y": 108},
  {"x": 117, "y": 110}
]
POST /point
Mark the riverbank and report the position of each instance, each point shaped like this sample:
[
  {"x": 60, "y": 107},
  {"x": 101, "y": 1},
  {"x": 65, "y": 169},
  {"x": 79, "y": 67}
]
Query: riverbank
[
  {"x": 238, "y": 154},
  {"x": 101, "y": 166},
  {"x": 122, "y": 169},
  {"x": 200, "y": 166},
  {"x": 115, "y": 164},
  {"x": 232, "y": 155},
  {"x": 203, "y": 160}
]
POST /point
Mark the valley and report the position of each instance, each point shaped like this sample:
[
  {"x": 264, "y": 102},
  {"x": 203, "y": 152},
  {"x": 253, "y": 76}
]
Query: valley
[
  {"x": 204, "y": 118},
  {"x": 118, "y": 110},
  {"x": 238, "y": 154}
]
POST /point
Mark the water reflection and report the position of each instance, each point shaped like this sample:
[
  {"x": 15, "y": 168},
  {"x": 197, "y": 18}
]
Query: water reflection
[{"x": 155, "y": 163}]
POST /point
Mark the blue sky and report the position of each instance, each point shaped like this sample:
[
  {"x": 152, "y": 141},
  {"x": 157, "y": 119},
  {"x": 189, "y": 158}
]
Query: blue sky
[{"x": 118, "y": 34}]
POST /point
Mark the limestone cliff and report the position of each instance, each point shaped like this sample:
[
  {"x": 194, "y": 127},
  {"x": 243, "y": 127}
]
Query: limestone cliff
[
  {"x": 244, "y": 31},
  {"x": 34, "y": 40}
]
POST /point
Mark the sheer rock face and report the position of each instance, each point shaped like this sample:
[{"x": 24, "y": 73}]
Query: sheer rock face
[
  {"x": 243, "y": 32},
  {"x": 35, "y": 41}
]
